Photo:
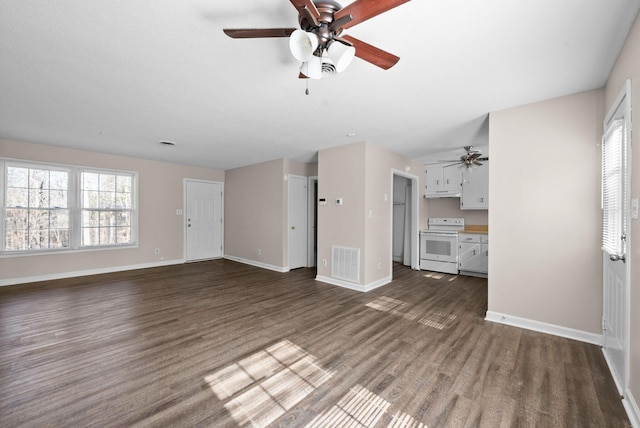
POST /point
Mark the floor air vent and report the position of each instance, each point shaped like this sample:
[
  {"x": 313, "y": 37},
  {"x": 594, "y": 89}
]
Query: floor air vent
[{"x": 345, "y": 263}]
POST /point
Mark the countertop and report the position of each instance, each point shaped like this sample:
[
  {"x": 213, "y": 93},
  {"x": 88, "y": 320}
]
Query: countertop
[{"x": 475, "y": 228}]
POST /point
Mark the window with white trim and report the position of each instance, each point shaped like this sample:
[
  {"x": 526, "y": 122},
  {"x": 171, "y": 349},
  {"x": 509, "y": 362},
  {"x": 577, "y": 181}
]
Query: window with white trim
[
  {"x": 107, "y": 207},
  {"x": 49, "y": 208}
]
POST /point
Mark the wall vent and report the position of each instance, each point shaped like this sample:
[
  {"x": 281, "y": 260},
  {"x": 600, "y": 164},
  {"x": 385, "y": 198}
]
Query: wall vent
[{"x": 345, "y": 263}]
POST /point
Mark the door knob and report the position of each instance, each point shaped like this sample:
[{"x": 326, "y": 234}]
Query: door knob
[
  {"x": 293, "y": 227},
  {"x": 616, "y": 258}
]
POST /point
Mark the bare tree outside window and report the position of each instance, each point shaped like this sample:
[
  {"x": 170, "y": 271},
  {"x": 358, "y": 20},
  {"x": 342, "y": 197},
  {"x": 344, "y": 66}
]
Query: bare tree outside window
[
  {"x": 107, "y": 202},
  {"x": 48, "y": 207},
  {"x": 37, "y": 212}
]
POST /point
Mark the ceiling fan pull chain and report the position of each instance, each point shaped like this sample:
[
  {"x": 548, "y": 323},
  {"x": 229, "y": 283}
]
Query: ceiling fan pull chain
[{"x": 306, "y": 91}]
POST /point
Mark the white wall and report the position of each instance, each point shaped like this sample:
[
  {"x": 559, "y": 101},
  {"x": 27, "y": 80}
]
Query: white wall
[{"x": 544, "y": 221}]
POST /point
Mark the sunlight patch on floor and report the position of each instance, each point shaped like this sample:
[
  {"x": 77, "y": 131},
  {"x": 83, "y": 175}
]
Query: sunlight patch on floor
[
  {"x": 437, "y": 320},
  {"x": 363, "y": 409},
  {"x": 395, "y": 307},
  {"x": 263, "y": 386},
  {"x": 440, "y": 275}
]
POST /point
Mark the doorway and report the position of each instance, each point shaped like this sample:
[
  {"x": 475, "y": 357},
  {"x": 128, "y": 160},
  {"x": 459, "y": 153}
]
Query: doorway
[
  {"x": 404, "y": 214},
  {"x": 203, "y": 220}
]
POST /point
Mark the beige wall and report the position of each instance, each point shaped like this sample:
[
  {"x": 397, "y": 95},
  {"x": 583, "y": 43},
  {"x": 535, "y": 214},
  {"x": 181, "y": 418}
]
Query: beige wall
[
  {"x": 341, "y": 174},
  {"x": 450, "y": 207},
  {"x": 544, "y": 221},
  {"x": 628, "y": 67},
  {"x": 256, "y": 201},
  {"x": 360, "y": 174},
  {"x": 380, "y": 163},
  {"x": 160, "y": 190},
  {"x": 255, "y": 213}
]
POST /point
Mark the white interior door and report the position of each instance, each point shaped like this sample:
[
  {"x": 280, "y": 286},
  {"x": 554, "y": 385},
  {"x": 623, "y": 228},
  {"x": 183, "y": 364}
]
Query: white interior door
[
  {"x": 615, "y": 236},
  {"x": 297, "y": 221},
  {"x": 203, "y": 220}
]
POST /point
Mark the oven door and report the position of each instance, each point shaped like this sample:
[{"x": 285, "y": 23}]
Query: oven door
[{"x": 442, "y": 247}]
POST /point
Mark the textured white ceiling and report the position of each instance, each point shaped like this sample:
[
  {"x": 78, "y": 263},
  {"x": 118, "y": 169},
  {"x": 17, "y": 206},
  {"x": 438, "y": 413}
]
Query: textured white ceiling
[{"x": 118, "y": 76}]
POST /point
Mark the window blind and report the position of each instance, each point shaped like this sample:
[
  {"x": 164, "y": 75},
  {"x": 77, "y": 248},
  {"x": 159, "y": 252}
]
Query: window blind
[{"x": 613, "y": 182}]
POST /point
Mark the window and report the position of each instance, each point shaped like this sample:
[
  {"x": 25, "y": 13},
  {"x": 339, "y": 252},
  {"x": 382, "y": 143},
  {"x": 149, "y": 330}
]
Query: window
[
  {"x": 58, "y": 207},
  {"x": 36, "y": 214},
  {"x": 107, "y": 201},
  {"x": 613, "y": 179}
]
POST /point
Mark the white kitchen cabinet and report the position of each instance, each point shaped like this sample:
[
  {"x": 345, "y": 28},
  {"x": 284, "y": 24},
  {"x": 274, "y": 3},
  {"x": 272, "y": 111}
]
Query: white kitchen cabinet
[
  {"x": 475, "y": 188},
  {"x": 443, "y": 181},
  {"x": 473, "y": 258}
]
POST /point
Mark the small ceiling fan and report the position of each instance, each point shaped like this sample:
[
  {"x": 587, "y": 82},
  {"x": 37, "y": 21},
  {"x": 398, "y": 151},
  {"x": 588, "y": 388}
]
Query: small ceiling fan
[
  {"x": 319, "y": 43},
  {"x": 471, "y": 159}
]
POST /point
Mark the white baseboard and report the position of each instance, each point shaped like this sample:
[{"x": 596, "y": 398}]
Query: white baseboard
[
  {"x": 351, "y": 285},
  {"x": 62, "y": 275},
  {"x": 280, "y": 269},
  {"x": 542, "y": 327},
  {"x": 631, "y": 406}
]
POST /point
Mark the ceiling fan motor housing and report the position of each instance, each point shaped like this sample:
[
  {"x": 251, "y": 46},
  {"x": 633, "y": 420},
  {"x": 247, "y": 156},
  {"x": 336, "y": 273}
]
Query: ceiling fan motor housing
[{"x": 326, "y": 9}]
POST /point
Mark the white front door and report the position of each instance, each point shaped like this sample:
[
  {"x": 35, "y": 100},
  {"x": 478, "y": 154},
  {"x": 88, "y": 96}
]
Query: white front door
[
  {"x": 203, "y": 220},
  {"x": 297, "y": 221},
  {"x": 616, "y": 153}
]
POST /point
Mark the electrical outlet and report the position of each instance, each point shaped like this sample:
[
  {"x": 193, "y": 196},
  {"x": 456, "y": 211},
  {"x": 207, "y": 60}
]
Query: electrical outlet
[
  {"x": 259, "y": 252},
  {"x": 379, "y": 265},
  {"x": 157, "y": 251}
]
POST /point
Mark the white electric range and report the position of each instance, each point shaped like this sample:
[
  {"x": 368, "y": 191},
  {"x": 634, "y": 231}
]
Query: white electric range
[{"x": 439, "y": 245}]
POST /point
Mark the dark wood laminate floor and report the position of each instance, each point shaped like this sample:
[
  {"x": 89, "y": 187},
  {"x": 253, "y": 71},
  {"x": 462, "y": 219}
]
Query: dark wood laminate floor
[{"x": 223, "y": 344}]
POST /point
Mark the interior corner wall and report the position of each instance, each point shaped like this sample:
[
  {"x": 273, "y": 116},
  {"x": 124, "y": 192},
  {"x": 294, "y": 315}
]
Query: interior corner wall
[
  {"x": 628, "y": 67},
  {"x": 341, "y": 175},
  {"x": 361, "y": 175},
  {"x": 160, "y": 194},
  {"x": 255, "y": 214},
  {"x": 378, "y": 209},
  {"x": 544, "y": 221}
]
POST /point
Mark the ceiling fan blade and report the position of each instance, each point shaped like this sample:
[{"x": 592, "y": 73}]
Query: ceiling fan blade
[
  {"x": 372, "y": 54},
  {"x": 253, "y": 33},
  {"x": 307, "y": 9},
  {"x": 478, "y": 163},
  {"x": 365, "y": 9},
  {"x": 475, "y": 155},
  {"x": 483, "y": 159}
]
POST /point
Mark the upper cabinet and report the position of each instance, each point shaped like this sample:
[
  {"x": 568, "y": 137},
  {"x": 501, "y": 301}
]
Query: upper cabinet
[
  {"x": 475, "y": 188},
  {"x": 443, "y": 181}
]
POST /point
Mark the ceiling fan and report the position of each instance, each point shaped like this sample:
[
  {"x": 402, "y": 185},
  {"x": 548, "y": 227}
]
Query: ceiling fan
[
  {"x": 319, "y": 43},
  {"x": 471, "y": 159}
]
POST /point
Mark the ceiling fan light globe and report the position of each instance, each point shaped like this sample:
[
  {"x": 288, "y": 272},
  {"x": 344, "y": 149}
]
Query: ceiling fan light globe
[
  {"x": 302, "y": 45},
  {"x": 312, "y": 68},
  {"x": 341, "y": 55}
]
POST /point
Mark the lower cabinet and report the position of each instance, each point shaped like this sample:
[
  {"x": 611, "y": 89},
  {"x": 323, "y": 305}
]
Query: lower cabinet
[{"x": 474, "y": 254}]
